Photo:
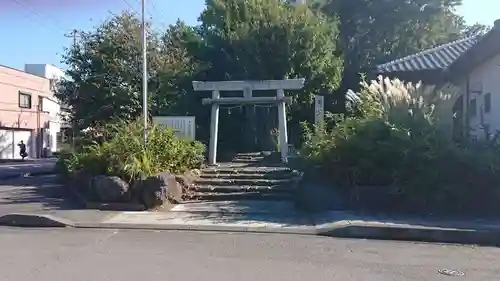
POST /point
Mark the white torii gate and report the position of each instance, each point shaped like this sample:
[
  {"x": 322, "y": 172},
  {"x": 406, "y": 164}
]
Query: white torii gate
[{"x": 247, "y": 87}]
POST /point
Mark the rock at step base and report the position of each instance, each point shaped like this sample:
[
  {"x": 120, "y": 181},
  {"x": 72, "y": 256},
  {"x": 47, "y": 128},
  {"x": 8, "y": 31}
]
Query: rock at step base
[{"x": 111, "y": 188}]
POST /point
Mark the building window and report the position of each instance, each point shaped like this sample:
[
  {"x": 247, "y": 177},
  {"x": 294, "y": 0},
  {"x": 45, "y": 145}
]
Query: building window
[
  {"x": 472, "y": 107},
  {"x": 52, "y": 85},
  {"x": 24, "y": 100},
  {"x": 487, "y": 103}
]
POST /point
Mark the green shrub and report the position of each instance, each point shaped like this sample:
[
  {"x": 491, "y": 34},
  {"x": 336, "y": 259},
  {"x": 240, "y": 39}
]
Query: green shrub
[
  {"x": 121, "y": 152},
  {"x": 398, "y": 139}
]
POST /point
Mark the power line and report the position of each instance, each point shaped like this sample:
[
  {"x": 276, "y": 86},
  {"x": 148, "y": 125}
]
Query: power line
[
  {"x": 75, "y": 34},
  {"x": 40, "y": 15},
  {"x": 145, "y": 9},
  {"x": 134, "y": 9},
  {"x": 158, "y": 11}
]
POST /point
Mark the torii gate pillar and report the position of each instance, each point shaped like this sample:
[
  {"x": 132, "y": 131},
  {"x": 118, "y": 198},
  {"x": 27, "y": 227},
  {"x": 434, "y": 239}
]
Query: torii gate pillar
[
  {"x": 247, "y": 87},
  {"x": 283, "y": 132},
  {"x": 214, "y": 128}
]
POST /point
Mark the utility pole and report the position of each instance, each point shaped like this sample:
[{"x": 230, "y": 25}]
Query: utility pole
[
  {"x": 73, "y": 34},
  {"x": 144, "y": 71}
]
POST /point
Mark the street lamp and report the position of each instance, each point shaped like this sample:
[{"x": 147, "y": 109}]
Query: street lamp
[{"x": 144, "y": 71}]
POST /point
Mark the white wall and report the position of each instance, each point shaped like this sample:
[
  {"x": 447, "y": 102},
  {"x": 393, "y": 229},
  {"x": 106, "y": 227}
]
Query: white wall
[
  {"x": 484, "y": 79},
  {"x": 53, "y": 108},
  {"x": 44, "y": 70},
  {"x": 49, "y": 104}
]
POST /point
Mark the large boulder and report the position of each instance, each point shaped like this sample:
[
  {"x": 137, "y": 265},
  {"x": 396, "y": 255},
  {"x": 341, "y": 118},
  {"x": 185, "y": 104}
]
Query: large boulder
[
  {"x": 81, "y": 181},
  {"x": 154, "y": 191},
  {"x": 111, "y": 189},
  {"x": 174, "y": 191},
  {"x": 187, "y": 179}
]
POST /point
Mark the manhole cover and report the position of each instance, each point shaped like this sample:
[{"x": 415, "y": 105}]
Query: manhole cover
[{"x": 451, "y": 272}]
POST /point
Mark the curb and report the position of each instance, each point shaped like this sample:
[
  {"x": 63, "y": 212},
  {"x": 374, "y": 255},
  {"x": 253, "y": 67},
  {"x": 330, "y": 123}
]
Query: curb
[
  {"x": 33, "y": 174},
  {"x": 201, "y": 228},
  {"x": 34, "y": 220},
  {"x": 488, "y": 236}
]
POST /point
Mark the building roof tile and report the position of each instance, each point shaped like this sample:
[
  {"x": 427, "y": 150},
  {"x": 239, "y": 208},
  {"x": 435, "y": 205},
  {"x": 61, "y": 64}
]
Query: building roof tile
[{"x": 436, "y": 58}]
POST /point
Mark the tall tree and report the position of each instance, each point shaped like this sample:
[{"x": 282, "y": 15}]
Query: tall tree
[
  {"x": 104, "y": 72},
  {"x": 374, "y": 31},
  {"x": 267, "y": 39},
  {"x": 270, "y": 39},
  {"x": 475, "y": 29},
  {"x": 236, "y": 39},
  {"x": 181, "y": 44}
]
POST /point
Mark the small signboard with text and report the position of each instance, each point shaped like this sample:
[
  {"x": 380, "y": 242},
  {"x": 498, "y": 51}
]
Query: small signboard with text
[{"x": 183, "y": 126}]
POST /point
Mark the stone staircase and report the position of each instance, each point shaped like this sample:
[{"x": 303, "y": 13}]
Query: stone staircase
[{"x": 249, "y": 176}]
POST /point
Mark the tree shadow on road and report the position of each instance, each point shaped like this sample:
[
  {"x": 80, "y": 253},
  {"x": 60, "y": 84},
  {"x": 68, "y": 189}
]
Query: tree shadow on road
[{"x": 34, "y": 194}]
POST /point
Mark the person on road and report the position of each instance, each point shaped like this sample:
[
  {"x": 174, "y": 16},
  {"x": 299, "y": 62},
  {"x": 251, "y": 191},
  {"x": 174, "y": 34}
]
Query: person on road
[{"x": 22, "y": 149}]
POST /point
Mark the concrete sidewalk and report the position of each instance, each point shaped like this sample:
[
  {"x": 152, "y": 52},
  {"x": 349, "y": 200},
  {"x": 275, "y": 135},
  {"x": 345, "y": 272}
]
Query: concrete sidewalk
[{"x": 271, "y": 217}]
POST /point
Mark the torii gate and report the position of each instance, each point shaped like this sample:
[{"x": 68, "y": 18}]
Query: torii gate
[{"x": 247, "y": 87}]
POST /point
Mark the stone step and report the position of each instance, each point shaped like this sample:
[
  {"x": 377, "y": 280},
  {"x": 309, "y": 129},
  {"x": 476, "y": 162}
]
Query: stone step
[
  {"x": 249, "y": 160},
  {"x": 283, "y": 175},
  {"x": 245, "y": 170},
  {"x": 242, "y": 182},
  {"x": 242, "y": 188},
  {"x": 249, "y": 154},
  {"x": 236, "y": 196},
  {"x": 249, "y": 176}
]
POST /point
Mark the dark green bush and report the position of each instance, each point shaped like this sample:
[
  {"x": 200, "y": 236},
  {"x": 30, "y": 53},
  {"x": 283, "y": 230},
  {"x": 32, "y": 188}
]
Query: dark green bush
[
  {"x": 397, "y": 143},
  {"x": 121, "y": 152}
]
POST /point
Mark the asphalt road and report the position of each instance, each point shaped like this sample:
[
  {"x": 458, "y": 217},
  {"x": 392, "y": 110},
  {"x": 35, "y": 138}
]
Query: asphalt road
[
  {"x": 32, "y": 195},
  {"x": 91, "y": 254},
  {"x": 30, "y": 166}
]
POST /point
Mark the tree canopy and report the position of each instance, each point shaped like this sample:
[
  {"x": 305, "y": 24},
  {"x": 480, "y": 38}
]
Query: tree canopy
[
  {"x": 251, "y": 40},
  {"x": 104, "y": 70},
  {"x": 373, "y": 32},
  {"x": 328, "y": 42}
]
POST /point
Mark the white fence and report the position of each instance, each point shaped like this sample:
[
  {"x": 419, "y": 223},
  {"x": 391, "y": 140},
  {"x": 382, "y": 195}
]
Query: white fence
[{"x": 183, "y": 126}]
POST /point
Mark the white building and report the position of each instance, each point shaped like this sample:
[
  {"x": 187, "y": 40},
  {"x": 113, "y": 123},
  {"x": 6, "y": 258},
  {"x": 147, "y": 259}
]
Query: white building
[
  {"x": 473, "y": 66},
  {"x": 44, "y": 70},
  {"x": 50, "y": 105}
]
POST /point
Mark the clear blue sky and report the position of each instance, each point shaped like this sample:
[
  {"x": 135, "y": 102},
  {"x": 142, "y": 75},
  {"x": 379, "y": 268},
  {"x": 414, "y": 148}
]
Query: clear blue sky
[{"x": 32, "y": 31}]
